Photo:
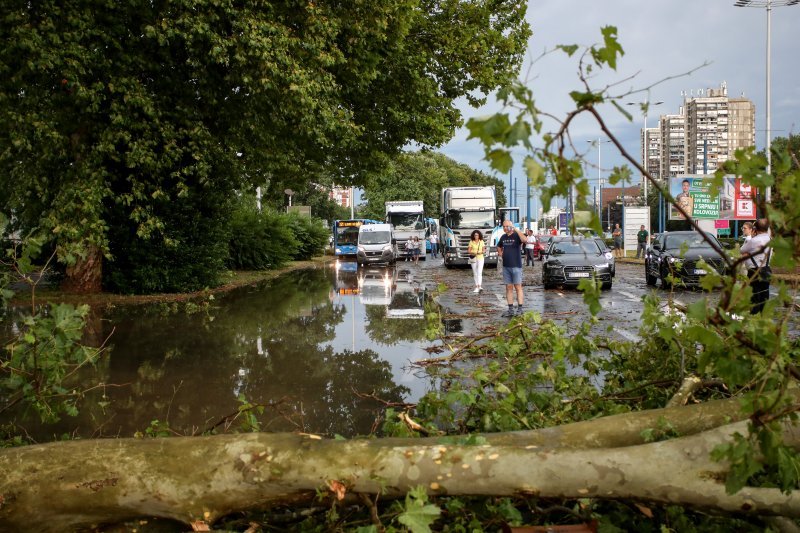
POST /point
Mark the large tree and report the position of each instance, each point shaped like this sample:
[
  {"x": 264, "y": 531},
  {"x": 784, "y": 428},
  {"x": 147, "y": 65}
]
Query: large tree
[
  {"x": 420, "y": 176},
  {"x": 135, "y": 116}
]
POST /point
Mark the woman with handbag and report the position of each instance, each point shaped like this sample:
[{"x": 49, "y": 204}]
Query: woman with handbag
[
  {"x": 757, "y": 252},
  {"x": 475, "y": 250}
]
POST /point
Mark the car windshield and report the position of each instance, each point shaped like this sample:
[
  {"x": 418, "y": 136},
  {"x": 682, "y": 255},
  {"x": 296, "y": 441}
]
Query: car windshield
[
  {"x": 375, "y": 237},
  {"x": 571, "y": 248},
  {"x": 675, "y": 242}
]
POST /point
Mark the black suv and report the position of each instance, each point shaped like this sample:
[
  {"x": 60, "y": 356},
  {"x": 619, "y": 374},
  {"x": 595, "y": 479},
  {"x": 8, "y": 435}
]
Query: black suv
[{"x": 677, "y": 253}]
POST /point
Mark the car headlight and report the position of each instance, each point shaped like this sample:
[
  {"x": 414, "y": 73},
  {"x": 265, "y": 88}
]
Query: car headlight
[
  {"x": 361, "y": 249},
  {"x": 609, "y": 256},
  {"x": 671, "y": 259},
  {"x": 338, "y": 250},
  {"x": 600, "y": 266},
  {"x": 387, "y": 248}
]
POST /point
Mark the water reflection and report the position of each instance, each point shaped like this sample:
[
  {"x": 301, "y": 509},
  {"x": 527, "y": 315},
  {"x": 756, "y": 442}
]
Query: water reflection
[{"x": 302, "y": 344}]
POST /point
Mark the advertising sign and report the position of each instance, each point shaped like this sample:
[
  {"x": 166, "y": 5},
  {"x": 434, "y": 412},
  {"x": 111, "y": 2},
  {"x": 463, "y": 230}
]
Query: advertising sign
[{"x": 733, "y": 201}]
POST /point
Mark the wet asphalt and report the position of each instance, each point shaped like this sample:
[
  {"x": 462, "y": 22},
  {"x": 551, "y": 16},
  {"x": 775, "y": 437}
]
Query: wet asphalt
[{"x": 466, "y": 313}]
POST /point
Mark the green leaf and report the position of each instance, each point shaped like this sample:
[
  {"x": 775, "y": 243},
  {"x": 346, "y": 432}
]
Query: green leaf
[{"x": 418, "y": 514}]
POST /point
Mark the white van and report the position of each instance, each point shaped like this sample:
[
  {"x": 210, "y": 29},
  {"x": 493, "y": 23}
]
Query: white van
[{"x": 375, "y": 244}]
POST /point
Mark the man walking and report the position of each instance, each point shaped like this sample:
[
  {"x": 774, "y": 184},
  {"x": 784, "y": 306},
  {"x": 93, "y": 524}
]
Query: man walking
[
  {"x": 509, "y": 247},
  {"x": 641, "y": 242}
]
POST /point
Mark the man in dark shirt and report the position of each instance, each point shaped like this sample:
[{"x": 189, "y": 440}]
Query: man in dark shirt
[
  {"x": 641, "y": 242},
  {"x": 509, "y": 246}
]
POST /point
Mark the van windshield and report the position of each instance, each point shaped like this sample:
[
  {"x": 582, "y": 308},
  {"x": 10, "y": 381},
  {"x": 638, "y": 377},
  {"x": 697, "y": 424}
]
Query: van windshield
[{"x": 375, "y": 237}]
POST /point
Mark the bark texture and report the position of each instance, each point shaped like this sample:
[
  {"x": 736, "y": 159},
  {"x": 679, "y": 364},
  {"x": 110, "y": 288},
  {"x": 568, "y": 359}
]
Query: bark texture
[
  {"x": 86, "y": 275},
  {"x": 71, "y": 485}
]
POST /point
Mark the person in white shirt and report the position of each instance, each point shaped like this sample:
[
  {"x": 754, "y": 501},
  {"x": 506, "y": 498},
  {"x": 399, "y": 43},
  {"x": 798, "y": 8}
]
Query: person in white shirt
[
  {"x": 757, "y": 253},
  {"x": 530, "y": 247}
]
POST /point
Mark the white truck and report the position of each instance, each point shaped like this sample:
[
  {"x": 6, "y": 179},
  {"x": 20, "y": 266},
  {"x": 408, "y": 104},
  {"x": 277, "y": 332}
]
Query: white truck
[
  {"x": 408, "y": 221},
  {"x": 464, "y": 210}
]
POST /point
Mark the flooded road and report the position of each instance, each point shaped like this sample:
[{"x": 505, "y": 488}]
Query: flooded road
[{"x": 318, "y": 350}]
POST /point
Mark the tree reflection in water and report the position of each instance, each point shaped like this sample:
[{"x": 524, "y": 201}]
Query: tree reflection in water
[{"x": 266, "y": 344}]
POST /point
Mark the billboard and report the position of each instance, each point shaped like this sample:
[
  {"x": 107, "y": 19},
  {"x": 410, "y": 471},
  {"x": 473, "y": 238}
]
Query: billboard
[{"x": 733, "y": 201}]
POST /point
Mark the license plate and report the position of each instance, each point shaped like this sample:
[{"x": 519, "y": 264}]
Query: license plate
[
  {"x": 699, "y": 272},
  {"x": 578, "y": 275}
]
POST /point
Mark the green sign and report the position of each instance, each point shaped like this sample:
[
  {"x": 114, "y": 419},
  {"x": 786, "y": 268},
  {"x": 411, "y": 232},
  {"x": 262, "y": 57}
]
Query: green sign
[
  {"x": 723, "y": 231},
  {"x": 706, "y": 205}
]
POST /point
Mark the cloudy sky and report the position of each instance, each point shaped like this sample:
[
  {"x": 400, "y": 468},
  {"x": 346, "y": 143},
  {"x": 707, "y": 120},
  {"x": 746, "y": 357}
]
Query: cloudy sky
[{"x": 662, "y": 39}]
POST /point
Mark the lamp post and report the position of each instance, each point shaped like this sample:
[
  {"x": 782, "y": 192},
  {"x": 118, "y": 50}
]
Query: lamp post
[
  {"x": 645, "y": 106},
  {"x": 599, "y": 142},
  {"x": 768, "y": 4}
]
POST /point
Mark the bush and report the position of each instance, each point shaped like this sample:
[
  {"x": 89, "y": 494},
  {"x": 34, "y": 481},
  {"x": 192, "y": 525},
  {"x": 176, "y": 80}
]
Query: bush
[
  {"x": 310, "y": 235},
  {"x": 260, "y": 240},
  {"x": 187, "y": 254}
]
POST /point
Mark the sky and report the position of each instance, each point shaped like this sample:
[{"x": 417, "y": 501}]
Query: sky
[{"x": 665, "y": 41}]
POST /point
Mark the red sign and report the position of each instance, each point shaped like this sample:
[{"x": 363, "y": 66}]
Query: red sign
[
  {"x": 744, "y": 201},
  {"x": 721, "y": 224}
]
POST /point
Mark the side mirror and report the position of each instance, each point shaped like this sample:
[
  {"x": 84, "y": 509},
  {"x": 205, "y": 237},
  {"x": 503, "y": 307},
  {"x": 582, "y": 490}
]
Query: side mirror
[{"x": 656, "y": 246}]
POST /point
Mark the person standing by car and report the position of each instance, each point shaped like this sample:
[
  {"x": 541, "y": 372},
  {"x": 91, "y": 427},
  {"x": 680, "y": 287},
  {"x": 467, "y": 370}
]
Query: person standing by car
[
  {"x": 475, "y": 250},
  {"x": 530, "y": 248},
  {"x": 509, "y": 247},
  {"x": 434, "y": 240},
  {"x": 618, "y": 242},
  {"x": 757, "y": 254},
  {"x": 641, "y": 242}
]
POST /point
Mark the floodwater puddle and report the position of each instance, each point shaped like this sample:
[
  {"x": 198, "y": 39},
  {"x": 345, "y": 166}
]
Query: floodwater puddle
[{"x": 315, "y": 350}]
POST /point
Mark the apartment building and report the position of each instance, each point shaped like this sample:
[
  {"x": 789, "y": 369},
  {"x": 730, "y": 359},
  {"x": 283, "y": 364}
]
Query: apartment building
[
  {"x": 672, "y": 156},
  {"x": 706, "y": 132},
  {"x": 712, "y": 132},
  {"x": 651, "y": 150}
]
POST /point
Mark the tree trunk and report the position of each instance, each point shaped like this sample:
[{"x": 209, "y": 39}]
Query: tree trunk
[
  {"x": 85, "y": 276},
  {"x": 77, "y": 484}
]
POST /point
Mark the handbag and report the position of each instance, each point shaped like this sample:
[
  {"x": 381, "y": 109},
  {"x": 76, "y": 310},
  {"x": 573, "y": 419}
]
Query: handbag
[
  {"x": 763, "y": 273},
  {"x": 472, "y": 260}
]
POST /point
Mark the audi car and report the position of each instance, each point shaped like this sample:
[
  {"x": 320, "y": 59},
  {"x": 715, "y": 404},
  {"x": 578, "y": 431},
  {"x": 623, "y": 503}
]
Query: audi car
[
  {"x": 568, "y": 260},
  {"x": 677, "y": 254}
]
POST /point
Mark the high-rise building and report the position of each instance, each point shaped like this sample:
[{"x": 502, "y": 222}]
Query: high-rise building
[
  {"x": 706, "y": 132},
  {"x": 651, "y": 143},
  {"x": 712, "y": 133},
  {"x": 672, "y": 158}
]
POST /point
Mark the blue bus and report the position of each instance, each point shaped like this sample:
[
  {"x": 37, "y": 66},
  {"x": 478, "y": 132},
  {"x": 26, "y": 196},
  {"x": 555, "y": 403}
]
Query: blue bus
[{"x": 345, "y": 236}]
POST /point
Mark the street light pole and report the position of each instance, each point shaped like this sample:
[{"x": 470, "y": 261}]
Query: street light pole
[
  {"x": 645, "y": 106},
  {"x": 599, "y": 142},
  {"x": 768, "y": 4}
]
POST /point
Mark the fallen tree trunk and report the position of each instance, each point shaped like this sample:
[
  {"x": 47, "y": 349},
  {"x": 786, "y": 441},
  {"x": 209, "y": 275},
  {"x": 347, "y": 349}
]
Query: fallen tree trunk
[{"x": 70, "y": 485}]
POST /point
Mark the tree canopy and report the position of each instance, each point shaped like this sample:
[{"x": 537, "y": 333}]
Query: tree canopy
[
  {"x": 421, "y": 176},
  {"x": 141, "y": 117}
]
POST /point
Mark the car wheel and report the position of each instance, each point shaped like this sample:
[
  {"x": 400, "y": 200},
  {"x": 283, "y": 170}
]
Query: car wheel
[
  {"x": 665, "y": 284},
  {"x": 605, "y": 286},
  {"x": 649, "y": 278}
]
